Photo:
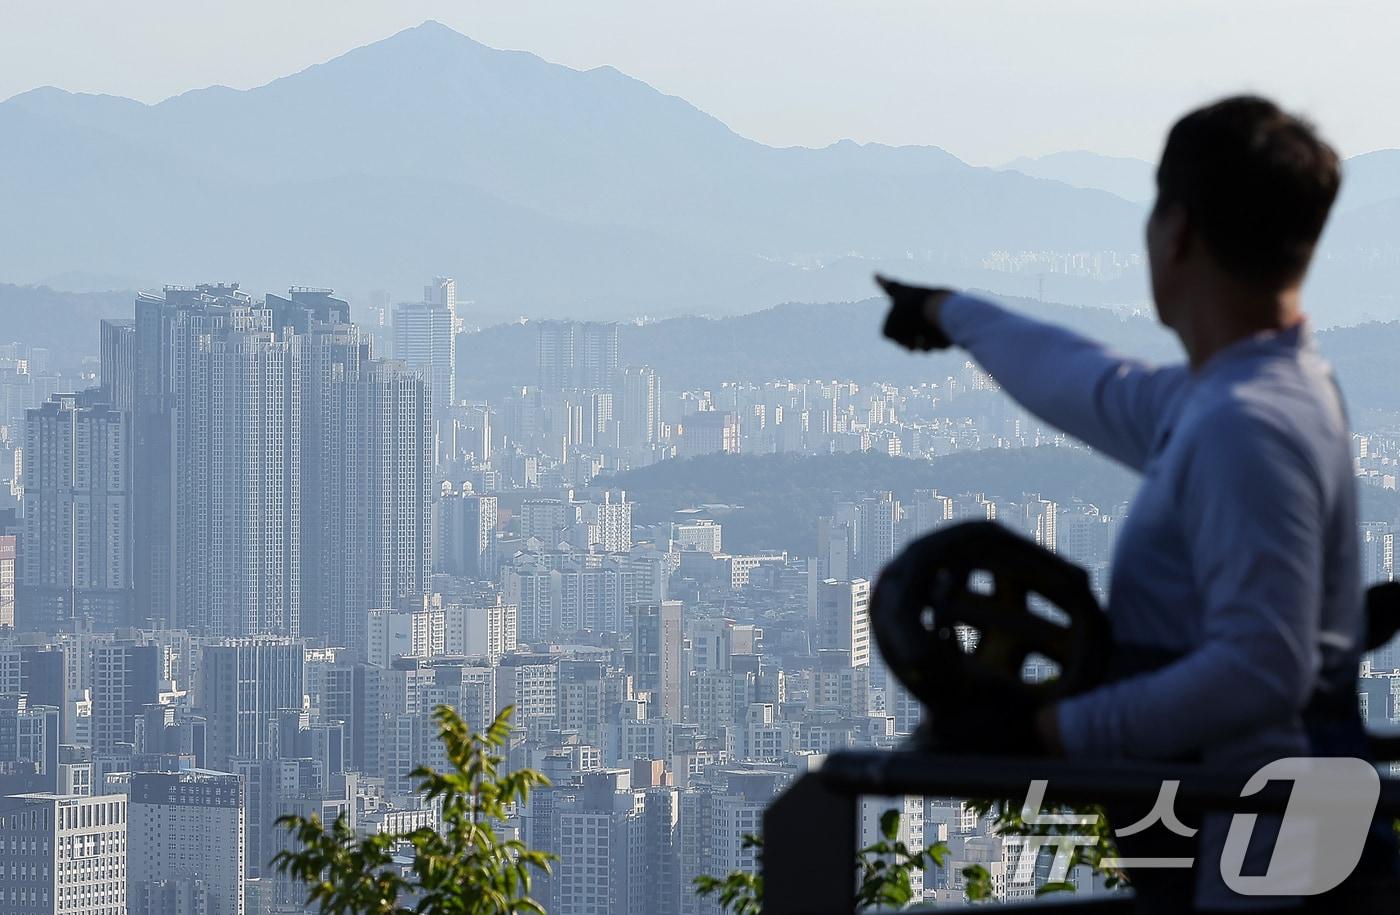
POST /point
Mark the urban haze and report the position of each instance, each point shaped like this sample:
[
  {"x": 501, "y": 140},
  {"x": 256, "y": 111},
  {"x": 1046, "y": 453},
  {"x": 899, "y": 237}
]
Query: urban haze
[{"x": 437, "y": 374}]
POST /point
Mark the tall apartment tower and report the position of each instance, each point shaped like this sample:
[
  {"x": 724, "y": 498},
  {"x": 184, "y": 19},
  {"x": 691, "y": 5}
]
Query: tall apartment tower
[
  {"x": 425, "y": 341},
  {"x": 126, "y": 677},
  {"x": 282, "y": 470},
  {"x": 613, "y": 520},
  {"x": 577, "y": 354},
  {"x": 30, "y": 733},
  {"x": 657, "y": 634},
  {"x": 118, "y": 361},
  {"x": 878, "y": 518},
  {"x": 185, "y": 843},
  {"x": 1377, "y": 552},
  {"x": 78, "y": 862},
  {"x": 153, "y": 452},
  {"x": 7, "y": 581},
  {"x": 639, "y": 414},
  {"x": 245, "y": 683},
  {"x": 464, "y": 535},
  {"x": 595, "y": 354},
  {"x": 217, "y": 493},
  {"x": 396, "y": 480},
  {"x": 366, "y": 479},
  {"x": 555, "y": 354},
  {"x": 843, "y": 619},
  {"x": 443, "y": 291},
  {"x": 237, "y": 572},
  {"x": 77, "y": 514}
]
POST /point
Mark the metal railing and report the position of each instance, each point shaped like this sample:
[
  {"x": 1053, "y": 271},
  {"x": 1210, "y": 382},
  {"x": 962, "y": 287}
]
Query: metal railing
[{"x": 810, "y": 831}]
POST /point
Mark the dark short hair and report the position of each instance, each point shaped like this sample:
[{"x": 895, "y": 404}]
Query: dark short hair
[{"x": 1256, "y": 182}]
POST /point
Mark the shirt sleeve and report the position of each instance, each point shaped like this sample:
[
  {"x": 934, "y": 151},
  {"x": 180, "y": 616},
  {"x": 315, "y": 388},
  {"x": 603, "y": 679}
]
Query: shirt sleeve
[
  {"x": 1248, "y": 487},
  {"x": 1107, "y": 401}
]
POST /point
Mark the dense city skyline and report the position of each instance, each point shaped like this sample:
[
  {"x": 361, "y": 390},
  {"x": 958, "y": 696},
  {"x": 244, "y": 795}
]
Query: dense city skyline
[
  {"x": 414, "y": 378},
  {"x": 669, "y": 685}
]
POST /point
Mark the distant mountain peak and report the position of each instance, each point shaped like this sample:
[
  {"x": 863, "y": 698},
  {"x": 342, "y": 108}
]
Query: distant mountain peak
[{"x": 431, "y": 36}]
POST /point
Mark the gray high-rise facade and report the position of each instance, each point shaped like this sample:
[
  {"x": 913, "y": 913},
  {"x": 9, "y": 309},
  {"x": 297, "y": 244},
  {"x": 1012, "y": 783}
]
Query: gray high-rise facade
[
  {"x": 577, "y": 354},
  {"x": 74, "y": 563},
  {"x": 126, "y": 677},
  {"x": 366, "y": 482},
  {"x": 639, "y": 416},
  {"x": 282, "y": 471},
  {"x": 464, "y": 535},
  {"x": 657, "y": 636},
  {"x": 443, "y": 291},
  {"x": 118, "y": 362},
  {"x": 245, "y": 683},
  {"x": 424, "y": 341}
]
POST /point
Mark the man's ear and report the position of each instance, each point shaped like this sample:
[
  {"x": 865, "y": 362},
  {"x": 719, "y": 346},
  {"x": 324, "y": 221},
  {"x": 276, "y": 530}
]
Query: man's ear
[{"x": 1177, "y": 237}]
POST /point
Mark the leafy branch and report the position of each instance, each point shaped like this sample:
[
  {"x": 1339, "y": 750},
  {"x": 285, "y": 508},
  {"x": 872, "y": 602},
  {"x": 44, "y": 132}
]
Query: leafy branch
[
  {"x": 464, "y": 868},
  {"x": 886, "y": 873}
]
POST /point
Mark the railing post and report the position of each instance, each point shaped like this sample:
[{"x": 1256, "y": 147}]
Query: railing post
[{"x": 809, "y": 851}]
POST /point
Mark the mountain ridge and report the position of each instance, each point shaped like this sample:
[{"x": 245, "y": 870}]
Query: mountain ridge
[{"x": 549, "y": 191}]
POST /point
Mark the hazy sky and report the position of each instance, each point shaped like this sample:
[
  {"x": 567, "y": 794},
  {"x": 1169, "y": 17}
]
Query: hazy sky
[{"x": 986, "y": 79}]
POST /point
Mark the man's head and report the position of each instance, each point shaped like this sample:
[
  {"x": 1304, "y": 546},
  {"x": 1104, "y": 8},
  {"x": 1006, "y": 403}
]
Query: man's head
[{"x": 1243, "y": 191}]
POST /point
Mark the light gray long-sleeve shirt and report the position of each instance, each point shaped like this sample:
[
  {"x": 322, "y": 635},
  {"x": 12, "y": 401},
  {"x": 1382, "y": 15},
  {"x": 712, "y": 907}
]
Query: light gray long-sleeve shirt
[{"x": 1240, "y": 551}]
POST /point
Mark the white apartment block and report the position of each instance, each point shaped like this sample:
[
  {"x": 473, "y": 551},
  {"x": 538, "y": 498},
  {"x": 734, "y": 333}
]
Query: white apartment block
[{"x": 65, "y": 855}]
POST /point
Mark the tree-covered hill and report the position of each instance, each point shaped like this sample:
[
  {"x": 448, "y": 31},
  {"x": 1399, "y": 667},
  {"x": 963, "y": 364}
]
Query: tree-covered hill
[{"x": 778, "y": 498}]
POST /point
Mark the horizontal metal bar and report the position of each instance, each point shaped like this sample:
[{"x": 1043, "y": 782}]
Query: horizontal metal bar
[
  {"x": 1067, "y": 781},
  {"x": 1121, "y": 902}
]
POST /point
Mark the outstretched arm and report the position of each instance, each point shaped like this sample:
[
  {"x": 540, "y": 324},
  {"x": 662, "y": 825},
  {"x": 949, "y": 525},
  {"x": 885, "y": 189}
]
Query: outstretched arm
[{"x": 1111, "y": 403}]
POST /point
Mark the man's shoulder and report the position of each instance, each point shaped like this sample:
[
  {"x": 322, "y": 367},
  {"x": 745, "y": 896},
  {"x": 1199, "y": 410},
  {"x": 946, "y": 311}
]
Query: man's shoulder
[
  {"x": 1270, "y": 431},
  {"x": 1279, "y": 398}
]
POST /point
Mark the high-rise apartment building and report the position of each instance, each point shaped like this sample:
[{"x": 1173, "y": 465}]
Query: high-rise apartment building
[
  {"x": 544, "y": 519},
  {"x": 464, "y": 535},
  {"x": 425, "y": 341},
  {"x": 595, "y": 354},
  {"x": 709, "y": 432},
  {"x": 282, "y": 472},
  {"x": 245, "y": 683},
  {"x": 118, "y": 362},
  {"x": 366, "y": 457},
  {"x": 126, "y": 677},
  {"x": 488, "y": 629},
  {"x": 1038, "y": 520},
  {"x": 29, "y": 736},
  {"x": 555, "y": 354},
  {"x": 1377, "y": 552},
  {"x": 639, "y": 412},
  {"x": 185, "y": 843},
  {"x": 577, "y": 354},
  {"x": 879, "y": 515},
  {"x": 7, "y": 581},
  {"x": 75, "y": 861},
  {"x": 611, "y": 522},
  {"x": 842, "y": 619},
  {"x": 217, "y": 493},
  {"x": 657, "y": 635},
  {"x": 601, "y": 831},
  {"x": 561, "y": 594},
  {"x": 443, "y": 291},
  {"x": 77, "y": 514},
  {"x": 417, "y": 632}
]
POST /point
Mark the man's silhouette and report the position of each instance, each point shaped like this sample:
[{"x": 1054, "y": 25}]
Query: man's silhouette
[{"x": 1236, "y": 599}]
